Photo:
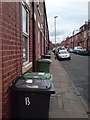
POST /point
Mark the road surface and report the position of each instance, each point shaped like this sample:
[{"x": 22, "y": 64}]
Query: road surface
[{"x": 77, "y": 69}]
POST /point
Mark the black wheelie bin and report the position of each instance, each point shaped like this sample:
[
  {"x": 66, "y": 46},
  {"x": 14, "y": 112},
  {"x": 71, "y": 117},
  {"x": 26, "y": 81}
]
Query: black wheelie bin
[{"x": 32, "y": 97}]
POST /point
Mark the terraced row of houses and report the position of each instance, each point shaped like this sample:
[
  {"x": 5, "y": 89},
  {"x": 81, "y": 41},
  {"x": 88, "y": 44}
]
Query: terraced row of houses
[
  {"x": 24, "y": 37},
  {"x": 80, "y": 37}
]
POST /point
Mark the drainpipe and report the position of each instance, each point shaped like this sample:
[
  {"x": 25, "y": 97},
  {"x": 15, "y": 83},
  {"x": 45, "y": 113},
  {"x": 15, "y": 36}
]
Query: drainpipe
[{"x": 33, "y": 39}]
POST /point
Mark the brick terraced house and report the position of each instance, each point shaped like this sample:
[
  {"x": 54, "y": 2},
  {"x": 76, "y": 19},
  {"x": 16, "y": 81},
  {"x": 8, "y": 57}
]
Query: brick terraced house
[
  {"x": 24, "y": 37},
  {"x": 81, "y": 38}
]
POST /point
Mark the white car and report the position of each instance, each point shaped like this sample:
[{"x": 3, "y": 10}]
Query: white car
[
  {"x": 78, "y": 48},
  {"x": 63, "y": 54}
]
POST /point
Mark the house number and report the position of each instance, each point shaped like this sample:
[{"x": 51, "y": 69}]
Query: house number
[{"x": 27, "y": 101}]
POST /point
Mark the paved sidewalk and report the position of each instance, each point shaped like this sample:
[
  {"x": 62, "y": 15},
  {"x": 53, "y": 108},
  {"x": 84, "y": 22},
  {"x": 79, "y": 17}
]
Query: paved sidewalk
[{"x": 65, "y": 103}]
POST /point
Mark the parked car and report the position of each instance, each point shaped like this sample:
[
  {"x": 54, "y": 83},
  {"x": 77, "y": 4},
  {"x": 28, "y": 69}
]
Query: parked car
[
  {"x": 60, "y": 49},
  {"x": 77, "y": 49},
  {"x": 63, "y": 54},
  {"x": 83, "y": 52}
]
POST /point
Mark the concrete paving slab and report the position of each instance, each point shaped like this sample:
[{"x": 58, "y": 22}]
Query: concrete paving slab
[{"x": 58, "y": 113}]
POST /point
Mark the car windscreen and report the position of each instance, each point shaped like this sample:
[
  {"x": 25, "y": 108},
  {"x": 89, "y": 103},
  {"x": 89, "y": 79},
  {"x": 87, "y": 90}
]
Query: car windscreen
[{"x": 63, "y": 52}]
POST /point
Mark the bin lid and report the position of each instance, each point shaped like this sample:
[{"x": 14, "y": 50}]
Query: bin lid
[
  {"x": 32, "y": 85},
  {"x": 37, "y": 75},
  {"x": 45, "y": 60}
]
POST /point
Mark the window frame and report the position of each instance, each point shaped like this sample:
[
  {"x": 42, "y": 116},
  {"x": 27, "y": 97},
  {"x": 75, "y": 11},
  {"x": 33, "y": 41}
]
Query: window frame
[{"x": 26, "y": 33}]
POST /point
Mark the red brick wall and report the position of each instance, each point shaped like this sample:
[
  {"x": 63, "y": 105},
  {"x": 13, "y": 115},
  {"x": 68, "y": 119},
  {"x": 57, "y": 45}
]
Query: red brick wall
[
  {"x": 83, "y": 39},
  {"x": 36, "y": 29},
  {"x": 41, "y": 18},
  {"x": 87, "y": 45},
  {"x": 12, "y": 47},
  {"x": 0, "y": 64}
]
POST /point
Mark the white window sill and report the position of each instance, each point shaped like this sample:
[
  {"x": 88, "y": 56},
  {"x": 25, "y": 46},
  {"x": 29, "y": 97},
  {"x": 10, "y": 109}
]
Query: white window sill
[{"x": 26, "y": 67}]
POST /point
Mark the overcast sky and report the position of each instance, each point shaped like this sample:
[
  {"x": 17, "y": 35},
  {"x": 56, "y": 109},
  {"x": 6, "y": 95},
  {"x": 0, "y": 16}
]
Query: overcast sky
[{"x": 72, "y": 14}]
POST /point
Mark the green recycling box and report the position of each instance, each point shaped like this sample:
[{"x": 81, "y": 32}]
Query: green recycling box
[
  {"x": 38, "y": 75},
  {"x": 44, "y": 65}
]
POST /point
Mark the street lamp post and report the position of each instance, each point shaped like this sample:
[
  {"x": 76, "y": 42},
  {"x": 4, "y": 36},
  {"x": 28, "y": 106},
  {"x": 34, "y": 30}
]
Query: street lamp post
[{"x": 55, "y": 34}]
